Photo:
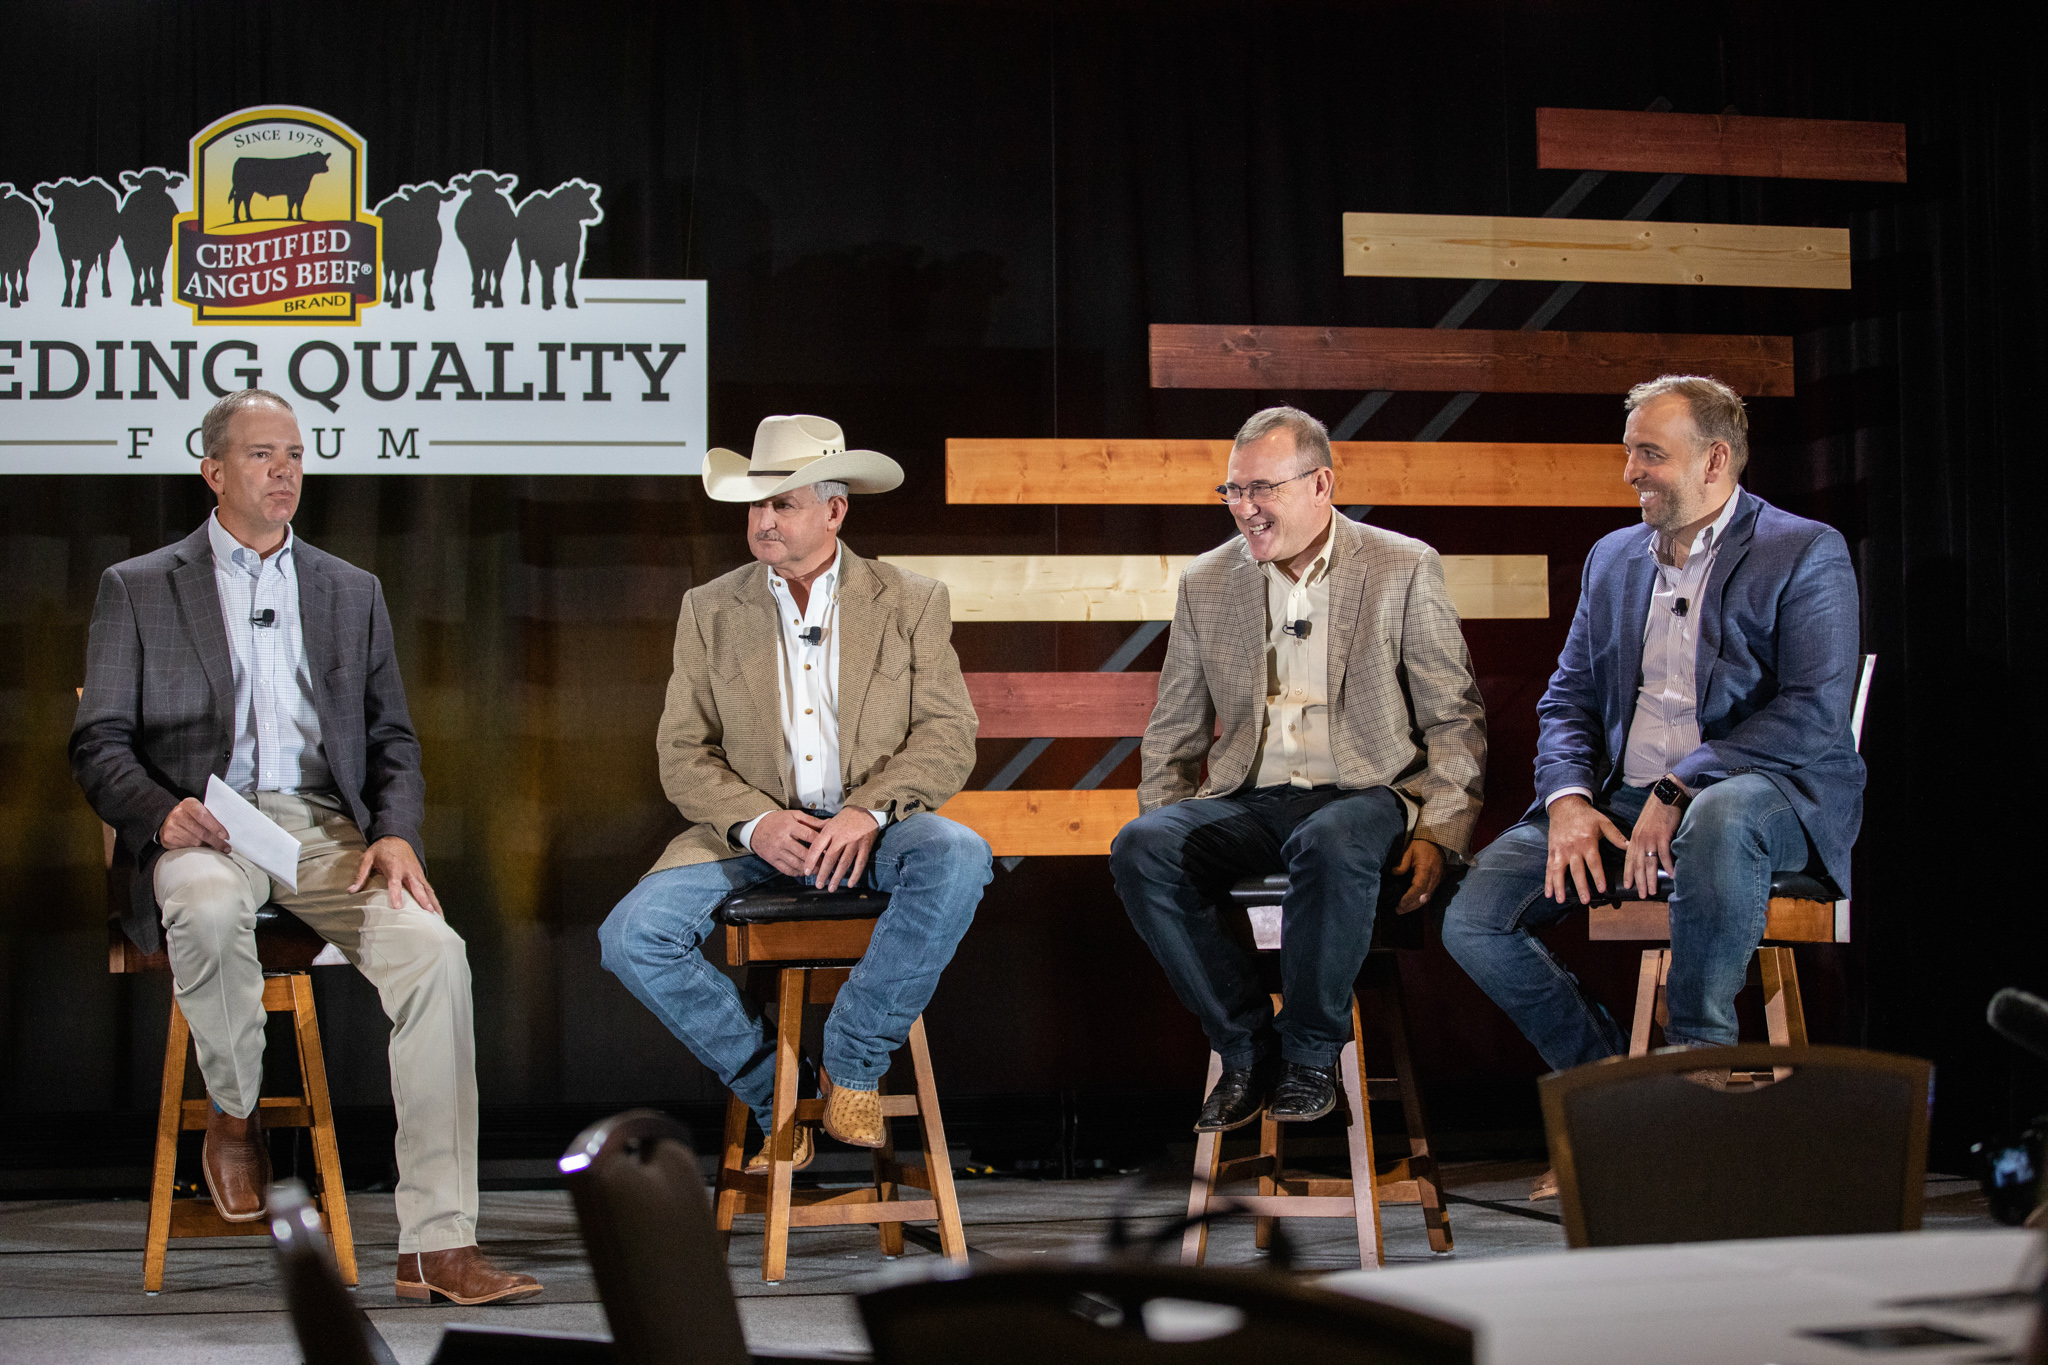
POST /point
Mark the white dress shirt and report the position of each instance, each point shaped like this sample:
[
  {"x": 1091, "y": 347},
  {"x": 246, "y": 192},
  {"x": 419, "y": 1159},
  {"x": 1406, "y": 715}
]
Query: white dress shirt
[
  {"x": 1666, "y": 726},
  {"x": 1296, "y": 749},
  {"x": 277, "y": 729},
  {"x": 807, "y": 687}
]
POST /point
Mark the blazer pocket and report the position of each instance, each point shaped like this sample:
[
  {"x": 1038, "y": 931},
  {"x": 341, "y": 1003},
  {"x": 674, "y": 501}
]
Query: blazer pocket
[{"x": 893, "y": 657}]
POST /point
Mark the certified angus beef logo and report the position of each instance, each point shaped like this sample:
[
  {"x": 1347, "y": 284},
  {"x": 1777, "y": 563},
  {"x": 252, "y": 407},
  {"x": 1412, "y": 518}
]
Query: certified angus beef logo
[{"x": 278, "y": 232}]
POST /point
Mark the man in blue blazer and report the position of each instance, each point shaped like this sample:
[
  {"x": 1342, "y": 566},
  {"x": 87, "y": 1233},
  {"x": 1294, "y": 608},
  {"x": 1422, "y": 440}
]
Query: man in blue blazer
[{"x": 1697, "y": 725}]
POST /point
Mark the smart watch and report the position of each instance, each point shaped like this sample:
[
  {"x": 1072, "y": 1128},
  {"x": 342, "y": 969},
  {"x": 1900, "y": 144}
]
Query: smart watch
[{"x": 1670, "y": 793}]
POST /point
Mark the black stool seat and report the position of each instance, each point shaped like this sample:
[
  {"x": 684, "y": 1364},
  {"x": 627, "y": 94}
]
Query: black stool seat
[
  {"x": 801, "y": 903},
  {"x": 284, "y": 942},
  {"x": 1389, "y": 930}
]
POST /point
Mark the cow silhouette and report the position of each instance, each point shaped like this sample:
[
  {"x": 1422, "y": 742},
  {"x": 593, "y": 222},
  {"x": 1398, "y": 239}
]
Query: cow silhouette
[
  {"x": 487, "y": 225},
  {"x": 21, "y": 231},
  {"x": 275, "y": 177},
  {"x": 412, "y": 239},
  {"x": 86, "y": 215},
  {"x": 146, "y": 216},
  {"x": 551, "y": 229}
]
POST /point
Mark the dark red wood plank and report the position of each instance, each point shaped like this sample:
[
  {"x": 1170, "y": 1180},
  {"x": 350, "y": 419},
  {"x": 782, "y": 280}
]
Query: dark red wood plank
[
  {"x": 1455, "y": 361},
  {"x": 1063, "y": 705},
  {"x": 1720, "y": 144}
]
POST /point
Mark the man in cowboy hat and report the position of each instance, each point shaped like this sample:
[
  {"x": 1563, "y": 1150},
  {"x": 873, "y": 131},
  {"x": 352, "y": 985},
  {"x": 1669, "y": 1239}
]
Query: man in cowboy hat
[{"x": 816, "y": 720}]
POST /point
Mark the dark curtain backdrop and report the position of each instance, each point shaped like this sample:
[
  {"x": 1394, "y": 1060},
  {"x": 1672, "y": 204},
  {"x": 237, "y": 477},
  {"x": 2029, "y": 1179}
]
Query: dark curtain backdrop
[{"x": 933, "y": 220}]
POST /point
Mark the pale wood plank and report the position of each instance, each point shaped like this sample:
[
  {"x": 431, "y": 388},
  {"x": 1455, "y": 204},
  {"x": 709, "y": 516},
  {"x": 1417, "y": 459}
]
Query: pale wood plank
[
  {"x": 1042, "y": 824},
  {"x": 1452, "y": 360},
  {"x": 1610, "y": 251},
  {"x": 1720, "y": 144},
  {"x": 1383, "y": 473},
  {"x": 998, "y": 588}
]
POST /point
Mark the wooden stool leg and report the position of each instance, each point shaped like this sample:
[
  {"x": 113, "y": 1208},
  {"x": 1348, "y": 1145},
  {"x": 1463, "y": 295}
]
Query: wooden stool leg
[
  {"x": 1663, "y": 1012},
  {"x": 1393, "y": 1010},
  {"x": 891, "y": 1234},
  {"x": 938, "y": 1161},
  {"x": 1647, "y": 990},
  {"x": 789, "y": 1031},
  {"x": 1365, "y": 1194},
  {"x": 1784, "y": 1015},
  {"x": 1272, "y": 1144},
  {"x": 732, "y": 1165},
  {"x": 1194, "y": 1243},
  {"x": 326, "y": 1152},
  {"x": 170, "y": 1113}
]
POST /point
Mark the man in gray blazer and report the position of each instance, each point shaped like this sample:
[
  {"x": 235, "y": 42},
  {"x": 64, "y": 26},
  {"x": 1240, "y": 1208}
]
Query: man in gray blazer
[
  {"x": 243, "y": 653},
  {"x": 1317, "y": 665}
]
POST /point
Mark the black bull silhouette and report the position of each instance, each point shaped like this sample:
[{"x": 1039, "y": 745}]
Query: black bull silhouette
[{"x": 275, "y": 177}]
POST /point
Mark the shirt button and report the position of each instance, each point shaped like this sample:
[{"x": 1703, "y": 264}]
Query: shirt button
[
  {"x": 807, "y": 710},
  {"x": 807, "y": 668},
  {"x": 807, "y": 758}
]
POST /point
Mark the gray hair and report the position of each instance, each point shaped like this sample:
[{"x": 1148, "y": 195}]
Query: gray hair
[
  {"x": 1311, "y": 437},
  {"x": 827, "y": 489},
  {"x": 213, "y": 428},
  {"x": 1717, "y": 411}
]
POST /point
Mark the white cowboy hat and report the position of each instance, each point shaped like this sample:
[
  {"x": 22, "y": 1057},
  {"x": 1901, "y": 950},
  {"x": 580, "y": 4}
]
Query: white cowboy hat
[{"x": 795, "y": 452}]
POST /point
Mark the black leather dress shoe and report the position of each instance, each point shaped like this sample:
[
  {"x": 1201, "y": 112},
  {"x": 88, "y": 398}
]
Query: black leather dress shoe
[
  {"x": 1304, "y": 1093},
  {"x": 1239, "y": 1095}
]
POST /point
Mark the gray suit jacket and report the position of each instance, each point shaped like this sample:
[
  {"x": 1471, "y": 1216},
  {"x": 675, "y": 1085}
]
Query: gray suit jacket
[
  {"x": 906, "y": 725},
  {"x": 1404, "y": 710},
  {"x": 157, "y": 716}
]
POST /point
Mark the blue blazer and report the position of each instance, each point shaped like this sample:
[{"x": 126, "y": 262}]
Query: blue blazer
[{"x": 1778, "y": 659}]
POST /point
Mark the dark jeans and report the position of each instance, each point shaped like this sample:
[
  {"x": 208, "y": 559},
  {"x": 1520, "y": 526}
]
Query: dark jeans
[
  {"x": 1733, "y": 837},
  {"x": 1174, "y": 868}
]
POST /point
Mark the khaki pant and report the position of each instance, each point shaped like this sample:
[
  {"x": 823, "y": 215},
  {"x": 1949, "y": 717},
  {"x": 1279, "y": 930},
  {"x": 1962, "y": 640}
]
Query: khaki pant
[{"x": 410, "y": 955}]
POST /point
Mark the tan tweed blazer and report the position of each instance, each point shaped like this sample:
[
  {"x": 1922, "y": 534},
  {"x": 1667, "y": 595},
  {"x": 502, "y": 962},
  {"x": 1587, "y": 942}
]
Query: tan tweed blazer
[
  {"x": 906, "y": 726},
  {"x": 1404, "y": 710}
]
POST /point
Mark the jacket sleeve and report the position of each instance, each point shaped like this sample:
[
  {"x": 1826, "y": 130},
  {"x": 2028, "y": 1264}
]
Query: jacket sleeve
[
  {"x": 1443, "y": 699},
  {"x": 938, "y": 752},
  {"x": 1570, "y": 737},
  {"x": 1183, "y": 723},
  {"x": 689, "y": 742},
  {"x": 394, "y": 788},
  {"x": 105, "y": 739},
  {"x": 1818, "y": 657}
]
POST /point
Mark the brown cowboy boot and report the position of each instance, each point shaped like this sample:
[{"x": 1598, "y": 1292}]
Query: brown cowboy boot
[
  {"x": 236, "y": 1160},
  {"x": 806, "y": 1149},
  {"x": 853, "y": 1116},
  {"x": 461, "y": 1275}
]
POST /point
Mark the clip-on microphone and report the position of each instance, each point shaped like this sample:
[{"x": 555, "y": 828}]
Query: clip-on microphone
[
  {"x": 812, "y": 636},
  {"x": 1680, "y": 608},
  {"x": 1298, "y": 629},
  {"x": 266, "y": 617}
]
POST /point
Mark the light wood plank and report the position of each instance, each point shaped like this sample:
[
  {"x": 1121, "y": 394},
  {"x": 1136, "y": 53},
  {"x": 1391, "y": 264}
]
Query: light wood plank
[
  {"x": 1001, "y": 588},
  {"x": 1383, "y": 473},
  {"x": 1063, "y": 705},
  {"x": 1609, "y": 251},
  {"x": 1454, "y": 360},
  {"x": 1045, "y": 824},
  {"x": 1720, "y": 144},
  {"x": 1787, "y": 921}
]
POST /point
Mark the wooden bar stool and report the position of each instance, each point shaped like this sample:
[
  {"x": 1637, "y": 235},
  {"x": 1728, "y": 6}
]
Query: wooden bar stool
[
  {"x": 1285, "y": 1194},
  {"x": 813, "y": 939},
  {"x": 288, "y": 950}
]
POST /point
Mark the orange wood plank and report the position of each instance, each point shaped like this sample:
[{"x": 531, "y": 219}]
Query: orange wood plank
[
  {"x": 1788, "y": 921},
  {"x": 1720, "y": 144},
  {"x": 1040, "y": 824},
  {"x": 1384, "y": 473},
  {"x": 1063, "y": 705},
  {"x": 1452, "y": 360}
]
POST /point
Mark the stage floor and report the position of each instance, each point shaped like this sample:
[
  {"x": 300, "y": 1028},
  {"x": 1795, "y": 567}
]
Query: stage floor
[{"x": 71, "y": 1271}]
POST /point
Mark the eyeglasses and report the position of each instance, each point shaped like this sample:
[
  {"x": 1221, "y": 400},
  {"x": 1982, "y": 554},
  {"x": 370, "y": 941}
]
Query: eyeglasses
[{"x": 1258, "y": 491}]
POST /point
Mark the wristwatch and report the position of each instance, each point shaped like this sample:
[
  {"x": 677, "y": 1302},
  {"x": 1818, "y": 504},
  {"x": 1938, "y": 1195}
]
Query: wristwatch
[{"x": 1670, "y": 793}]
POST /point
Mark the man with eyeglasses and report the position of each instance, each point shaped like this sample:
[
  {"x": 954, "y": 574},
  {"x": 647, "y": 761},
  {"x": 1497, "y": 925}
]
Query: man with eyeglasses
[{"x": 1317, "y": 666}]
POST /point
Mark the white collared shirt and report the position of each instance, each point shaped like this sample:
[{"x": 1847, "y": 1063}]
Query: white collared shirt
[
  {"x": 277, "y": 728},
  {"x": 1295, "y": 751},
  {"x": 1666, "y": 726},
  {"x": 807, "y": 687}
]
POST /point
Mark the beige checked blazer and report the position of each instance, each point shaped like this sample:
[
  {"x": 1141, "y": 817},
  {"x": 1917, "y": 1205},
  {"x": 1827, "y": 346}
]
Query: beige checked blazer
[
  {"x": 1404, "y": 710},
  {"x": 906, "y": 726}
]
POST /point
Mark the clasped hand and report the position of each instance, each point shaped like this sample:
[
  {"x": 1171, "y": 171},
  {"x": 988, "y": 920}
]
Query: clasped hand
[{"x": 830, "y": 852}]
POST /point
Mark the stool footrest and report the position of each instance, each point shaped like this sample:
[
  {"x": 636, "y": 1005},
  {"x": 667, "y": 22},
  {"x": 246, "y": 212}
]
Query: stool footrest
[
  {"x": 893, "y": 1107},
  {"x": 279, "y": 1111},
  {"x": 1296, "y": 1206}
]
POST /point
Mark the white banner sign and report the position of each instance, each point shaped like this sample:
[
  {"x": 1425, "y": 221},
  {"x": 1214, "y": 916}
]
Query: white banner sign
[{"x": 445, "y": 331}]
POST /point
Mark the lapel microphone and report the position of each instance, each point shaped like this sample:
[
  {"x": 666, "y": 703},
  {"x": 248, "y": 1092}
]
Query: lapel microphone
[
  {"x": 1680, "y": 608},
  {"x": 812, "y": 636},
  {"x": 1298, "y": 629},
  {"x": 266, "y": 617}
]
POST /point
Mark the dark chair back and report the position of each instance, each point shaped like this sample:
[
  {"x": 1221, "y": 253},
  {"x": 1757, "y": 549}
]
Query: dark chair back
[
  {"x": 331, "y": 1329},
  {"x": 1646, "y": 1153},
  {"x": 1081, "y": 1315},
  {"x": 658, "y": 1258}
]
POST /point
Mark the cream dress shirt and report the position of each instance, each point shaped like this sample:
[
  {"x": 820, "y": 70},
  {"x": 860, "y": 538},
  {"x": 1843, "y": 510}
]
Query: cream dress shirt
[
  {"x": 1296, "y": 749},
  {"x": 277, "y": 728}
]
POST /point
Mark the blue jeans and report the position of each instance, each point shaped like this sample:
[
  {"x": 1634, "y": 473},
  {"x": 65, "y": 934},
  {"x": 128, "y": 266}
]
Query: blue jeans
[
  {"x": 933, "y": 871},
  {"x": 1174, "y": 867},
  {"x": 1733, "y": 836}
]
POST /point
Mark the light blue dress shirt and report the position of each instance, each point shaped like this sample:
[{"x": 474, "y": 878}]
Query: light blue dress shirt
[{"x": 277, "y": 730}]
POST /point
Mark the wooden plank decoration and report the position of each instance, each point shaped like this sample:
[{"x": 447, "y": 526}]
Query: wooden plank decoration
[
  {"x": 1200, "y": 356},
  {"x": 1142, "y": 587},
  {"x": 1383, "y": 473},
  {"x": 1044, "y": 824},
  {"x": 1720, "y": 144},
  {"x": 1068, "y": 705},
  {"x": 1606, "y": 251}
]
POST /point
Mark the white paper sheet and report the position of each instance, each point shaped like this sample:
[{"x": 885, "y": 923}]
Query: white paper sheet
[{"x": 253, "y": 834}]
